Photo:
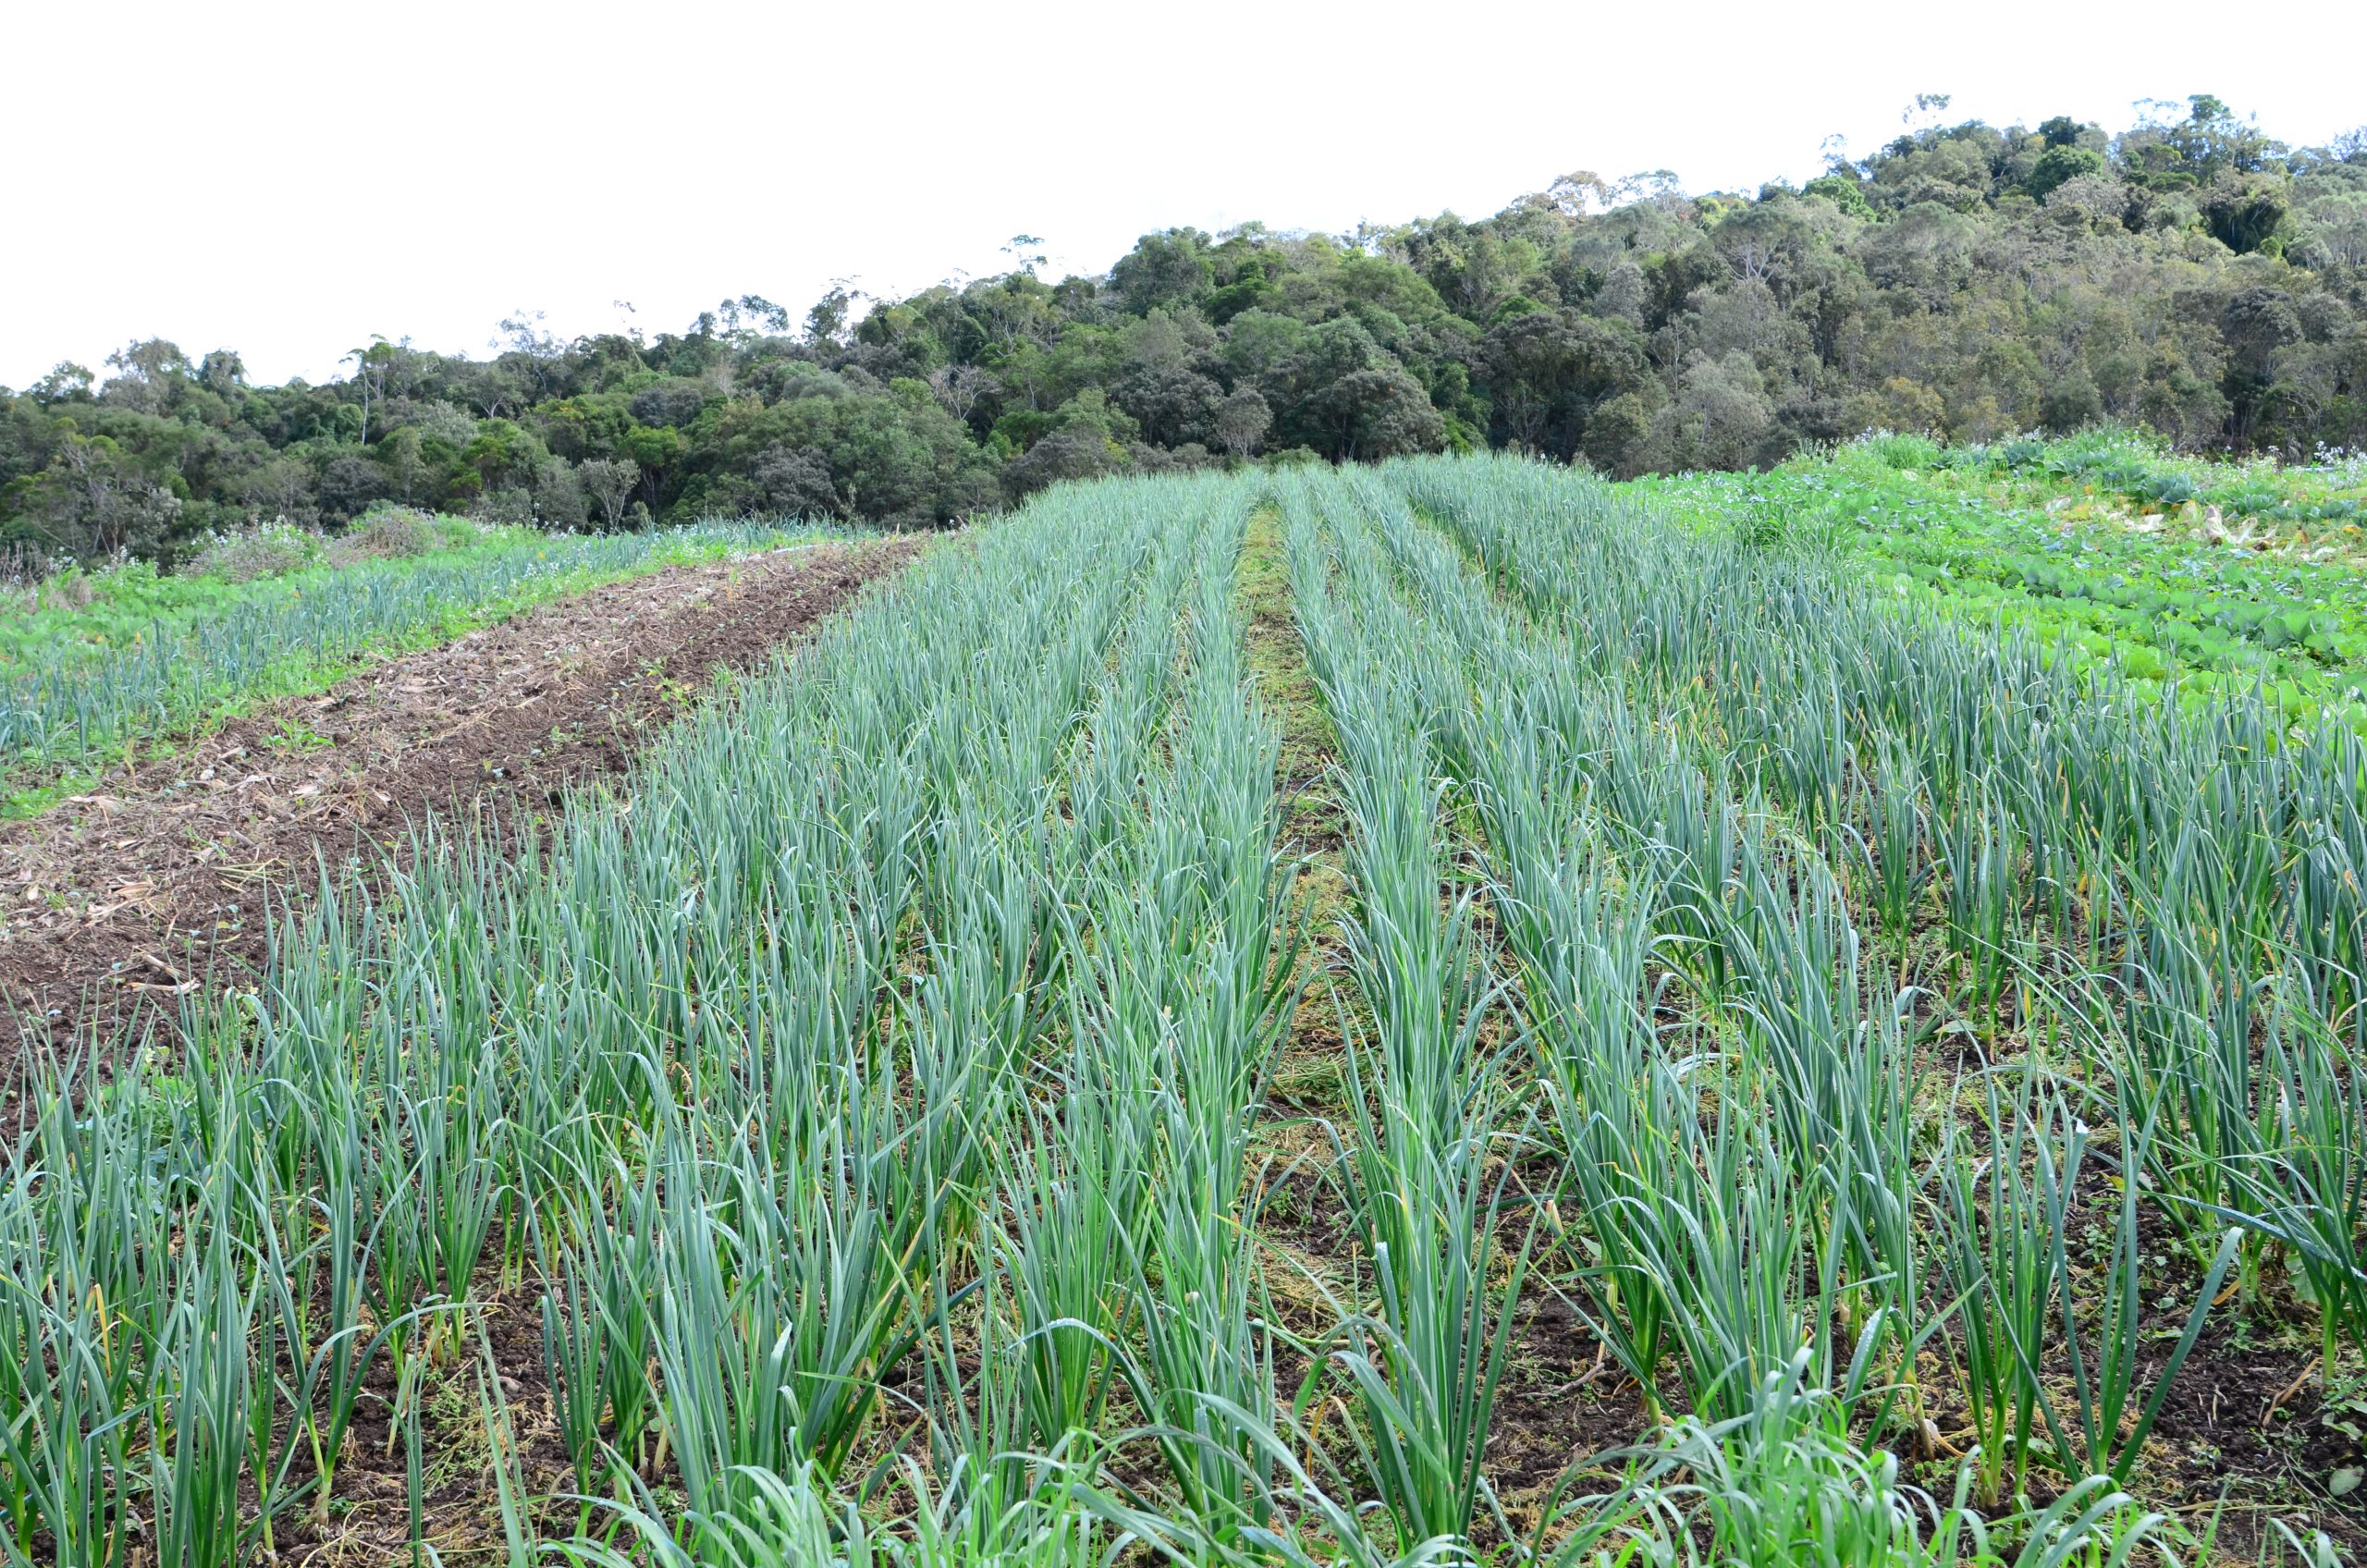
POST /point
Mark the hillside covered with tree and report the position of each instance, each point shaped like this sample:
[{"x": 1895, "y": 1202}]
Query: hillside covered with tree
[{"x": 2189, "y": 274}]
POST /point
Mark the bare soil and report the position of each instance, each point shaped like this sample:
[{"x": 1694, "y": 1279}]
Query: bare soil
[{"x": 116, "y": 903}]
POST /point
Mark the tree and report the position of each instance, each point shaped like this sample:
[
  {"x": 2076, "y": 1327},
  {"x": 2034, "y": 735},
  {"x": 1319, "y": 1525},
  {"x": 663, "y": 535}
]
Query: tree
[
  {"x": 654, "y": 451},
  {"x": 151, "y": 376},
  {"x": 370, "y": 367},
  {"x": 2072, "y": 401},
  {"x": 1842, "y": 191},
  {"x": 93, "y": 503},
  {"x": 671, "y": 402},
  {"x": 1027, "y": 252},
  {"x": 1923, "y": 111},
  {"x": 1359, "y": 403},
  {"x": 959, "y": 388},
  {"x": 1170, "y": 268},
  {"x": 503, "y": 456},
  {"x": 1721, "y": 418},
  {"x": 1242, "y": 421},
  {"x": 558, "y": 494},
  {"x": 511, "y": 506},
  {"x": 752, "y": 316},
  {"x": 1063, "y": 455},
  {"x": 795, "y": 482},
  {"x": 610, "y": 483},
  {"x": 348, "y": 485},
  {"x": 825, "y": 324},
  {"x": 1544, "y": 373},
  {"x": 2057, "y": 165},
  {"x": 2246, "y": 215},
  {"x": 494, "y": 390},
  {"x": 1369, "y": 414},
  {"x": 67, "y": 383},
  {"x": 223, "y": 372},
  {"x": 1172, "y": 404},
  {"x": 281, "y": 490},
  {"x": 406, "y": 462},
  {"x": 899, "y": 457},
  {"x": 2213, "y": 140},
  {"x": 2255, "y": 324},
  {"x": 2098, "y": 198}
]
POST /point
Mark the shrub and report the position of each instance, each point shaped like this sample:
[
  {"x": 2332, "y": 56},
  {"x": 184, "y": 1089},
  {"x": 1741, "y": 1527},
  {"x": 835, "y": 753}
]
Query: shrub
[
  {"x": 32, "y": 581},
  {"x": 393, "y": 534},
  {"x": 24, "y": 564},
  {"x": 270, "y": 550},
  {"x": 1062, "y": 455},
  {"x": 512, "y": 506}
]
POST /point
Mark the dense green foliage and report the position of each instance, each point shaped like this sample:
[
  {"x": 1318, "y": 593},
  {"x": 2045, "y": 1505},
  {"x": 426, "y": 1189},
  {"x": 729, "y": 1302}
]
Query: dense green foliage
[
  {"x": 2188, "y": 273},
  {"x": 2214, "y": 575}
]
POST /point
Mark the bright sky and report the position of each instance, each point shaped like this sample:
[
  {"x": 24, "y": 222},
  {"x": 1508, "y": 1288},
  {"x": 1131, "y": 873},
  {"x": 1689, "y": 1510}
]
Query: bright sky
[{"x": 288, "y": 180}]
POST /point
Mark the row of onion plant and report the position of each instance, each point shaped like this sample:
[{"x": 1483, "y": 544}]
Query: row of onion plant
[
  {"x": 711, "y": 1073},
  {"x": 2157, "y": 886},
  {"x": 1754, "y": 1186},
  {"x": 75, "y": 700}
]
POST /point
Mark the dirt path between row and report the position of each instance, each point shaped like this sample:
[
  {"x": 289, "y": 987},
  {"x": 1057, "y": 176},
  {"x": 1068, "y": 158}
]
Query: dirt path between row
[{"x": 114, "y": 904}]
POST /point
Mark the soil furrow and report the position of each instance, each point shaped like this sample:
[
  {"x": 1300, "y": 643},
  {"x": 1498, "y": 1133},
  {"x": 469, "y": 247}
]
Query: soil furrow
[{"x": 118, "y": 903}]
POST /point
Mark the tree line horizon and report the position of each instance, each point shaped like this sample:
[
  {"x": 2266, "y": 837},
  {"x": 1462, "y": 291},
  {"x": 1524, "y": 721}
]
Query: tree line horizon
[{"x": 2188, "y": 275}]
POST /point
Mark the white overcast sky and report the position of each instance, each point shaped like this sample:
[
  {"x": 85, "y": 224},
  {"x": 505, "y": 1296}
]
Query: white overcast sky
[{"x": 289, "y": 179}]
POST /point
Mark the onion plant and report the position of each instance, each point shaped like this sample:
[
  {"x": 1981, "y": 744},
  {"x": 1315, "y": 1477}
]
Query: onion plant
[
  {"x": 905, "y": 1024},
  {"x": 74, "y": 702},
  {"x": 1427, "y": 1361}
]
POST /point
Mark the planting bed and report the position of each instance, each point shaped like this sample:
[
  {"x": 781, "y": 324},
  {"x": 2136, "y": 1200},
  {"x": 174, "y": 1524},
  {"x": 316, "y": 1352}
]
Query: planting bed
[
  {"x": 2256, "y": 579},
  {"x": 1430, "y": 1013},
  {"x": 164, "y": 877},
  {"x": 95, "y": 667}
]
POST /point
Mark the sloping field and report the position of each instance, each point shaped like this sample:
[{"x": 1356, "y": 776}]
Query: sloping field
[
  {"x": 94, "y": 666},
  {"x": 167, "y": 873},
  {"x": 1373, "y": 1016}
]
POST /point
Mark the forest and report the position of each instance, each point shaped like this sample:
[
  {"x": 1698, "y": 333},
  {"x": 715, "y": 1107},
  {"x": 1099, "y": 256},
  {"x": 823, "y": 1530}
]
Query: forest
[{"x": 2188, "y": 273}]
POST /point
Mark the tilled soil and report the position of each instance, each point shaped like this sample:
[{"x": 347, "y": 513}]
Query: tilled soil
[{"x": 114, "y": 904}]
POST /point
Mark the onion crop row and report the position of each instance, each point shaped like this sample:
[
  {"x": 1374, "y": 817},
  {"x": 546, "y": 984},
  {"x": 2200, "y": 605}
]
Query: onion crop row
[
  {"x": 69, "y": 707},
  {"x": 870, "y": 1111},
  {"x": 1763, "y": 1185},
  {"x": 1423, "y": 1174},
  {"x": 663, "y": 1065},
  {"x": 2170, "y": 894}
]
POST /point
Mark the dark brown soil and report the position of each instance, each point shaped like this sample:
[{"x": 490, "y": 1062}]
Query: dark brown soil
[
  {"x": 118, "y": 903},
  {"x": 368, "y": 1516},
  {"x": 1563, "y": 1401}
]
